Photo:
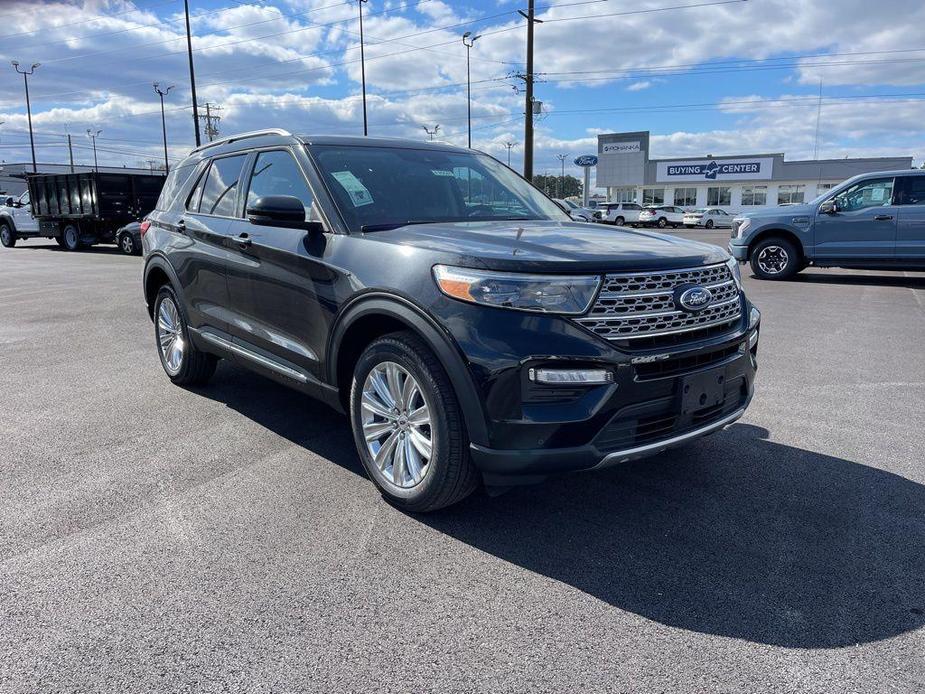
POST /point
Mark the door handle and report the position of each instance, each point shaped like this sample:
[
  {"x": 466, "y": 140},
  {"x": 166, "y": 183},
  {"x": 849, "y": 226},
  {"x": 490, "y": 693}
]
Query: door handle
[
  {"x": 244, "y": 240},
  {"x": 883, "y": 217}
]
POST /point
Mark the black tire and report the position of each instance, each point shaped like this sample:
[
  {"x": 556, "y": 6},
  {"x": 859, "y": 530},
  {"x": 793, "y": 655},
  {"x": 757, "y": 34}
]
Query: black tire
[
  {"x": 450, "y": 475},
  {"x": 127, "y": 244},
  {"x": 775, "y": 258},
  {"x": 662, "y": 223},
  {"x": 619, "y": 221},
  {"x": 70, "y": 237},
  {"x": 195, "y": 367},
  {"x": 709, "y": 224},
  {"x": 60, "y": 241},
  {"x": 7, "y": 235}
]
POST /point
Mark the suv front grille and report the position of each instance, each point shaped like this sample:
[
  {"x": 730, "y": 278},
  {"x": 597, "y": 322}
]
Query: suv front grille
[{"x": 642, "y": 304}]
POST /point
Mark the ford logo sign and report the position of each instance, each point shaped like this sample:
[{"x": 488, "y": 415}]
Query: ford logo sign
[
  {"x": 695, "y": 298},
  {"x": 586, "y": 160}
]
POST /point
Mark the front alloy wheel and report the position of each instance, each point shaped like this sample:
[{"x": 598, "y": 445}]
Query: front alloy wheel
[
  {"x": 775, "y": 259},
  {"x": 127, "y": 244},
  {"x": 396, "y": 425},
  {"x": 6, "y": 236},
  {"x": 662, "y": 222},
  {"x": 408, "y": 426}
]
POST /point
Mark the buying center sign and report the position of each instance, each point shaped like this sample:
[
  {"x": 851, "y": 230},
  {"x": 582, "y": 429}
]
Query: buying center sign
[{"x": 758, "y": 169}]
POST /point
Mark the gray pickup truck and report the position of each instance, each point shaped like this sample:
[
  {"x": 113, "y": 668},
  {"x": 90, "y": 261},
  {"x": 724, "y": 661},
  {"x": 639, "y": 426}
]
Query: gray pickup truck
[{"x": 874, "y": 221}]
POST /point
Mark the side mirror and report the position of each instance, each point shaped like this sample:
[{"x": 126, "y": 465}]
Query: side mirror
[
  {"x": 829, "y": 207},
  {"x": 9, "y": 202},
  {"x": 280, "y": 211}
]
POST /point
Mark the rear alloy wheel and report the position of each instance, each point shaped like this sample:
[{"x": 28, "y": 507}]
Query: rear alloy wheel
[
  {"x": 775, "y": 259},
  {"x": 709, "y": 224},
  {"x": 7, "y": 237},
  {"x": 619, "y": 221},
  {"x": 127, "y": 244},
  {"x": 408, "y": 426},
  {"x": 183, "y": 362},
  {"x": 71, "y": 237},
  {"x": 662, "y": 223}
]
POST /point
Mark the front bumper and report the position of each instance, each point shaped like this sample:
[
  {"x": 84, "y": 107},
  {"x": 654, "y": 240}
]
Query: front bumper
[
  {"x": 740, "y": 253},
  {"x": 533, "y": 433}
]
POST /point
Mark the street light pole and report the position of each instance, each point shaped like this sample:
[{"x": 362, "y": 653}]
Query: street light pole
[
  {"x": 93, "y": 135},
  {"x": 162, "y": 94},
  {"x": 431, "y": 132},
  {"x": 561, "y": 158},
  {"x": 510, "y": 146},
  {"x": 363, "y": 68},
  {"x": 192, "y": 73},
  {"x": 25, "y": 78},
  {"x": 469, "y": 41}
]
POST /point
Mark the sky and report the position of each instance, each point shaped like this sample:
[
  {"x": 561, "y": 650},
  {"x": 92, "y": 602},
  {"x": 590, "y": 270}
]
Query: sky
[{"x": 703, "y": 76}]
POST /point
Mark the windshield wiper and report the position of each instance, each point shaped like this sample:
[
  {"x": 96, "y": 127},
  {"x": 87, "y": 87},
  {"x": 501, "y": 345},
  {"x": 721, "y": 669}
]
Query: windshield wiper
[{"x": 386, "y": 226}]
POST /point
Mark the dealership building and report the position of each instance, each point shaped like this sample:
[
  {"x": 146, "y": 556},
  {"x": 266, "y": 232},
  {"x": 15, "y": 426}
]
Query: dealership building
[{"x": 734, "y": 183}]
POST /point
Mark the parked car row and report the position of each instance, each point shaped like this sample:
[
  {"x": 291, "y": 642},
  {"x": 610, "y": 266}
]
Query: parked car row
[
  {"x": 663, "y": 216},
  {"x": 577, "y": 212}
]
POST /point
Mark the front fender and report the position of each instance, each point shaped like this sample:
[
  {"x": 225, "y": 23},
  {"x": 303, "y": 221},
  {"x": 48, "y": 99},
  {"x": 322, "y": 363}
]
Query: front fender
[{"x": 437, "y": 338}]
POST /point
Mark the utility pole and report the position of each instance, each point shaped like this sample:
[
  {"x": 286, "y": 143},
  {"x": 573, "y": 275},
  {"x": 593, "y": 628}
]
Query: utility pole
[
  {"x": 561, "y": 158},
  {"x": 469, "y": 41},
  {"x": 93, "y": 135},
  {"x": 363, "y": 68},
  {"x": 25, "y": 78},
  {"x": 192, "y": 73},
  {"x": 431, "y": 132},
  {"x": 510, "y": 146},
  {"x": 211, "y": 120},
  {"x": 162, "y": 93},
  {"x": 70, "y": 152},
  {"x": 529, "y": 15}
]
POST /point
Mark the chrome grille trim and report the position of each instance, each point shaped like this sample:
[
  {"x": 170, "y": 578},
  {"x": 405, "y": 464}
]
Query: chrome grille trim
[{"x": 641, "y": 304}]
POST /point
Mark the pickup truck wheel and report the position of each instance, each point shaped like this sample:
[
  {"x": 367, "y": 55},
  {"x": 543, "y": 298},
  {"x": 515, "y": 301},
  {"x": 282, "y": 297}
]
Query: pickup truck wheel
[
  {"x": 662, "y": 223},
  {"x": 619, "y": 221},
  {"x": 775, "y": 259},
  {"x": 408, "y": 427},
  {"x": 183, "y": 363},
  {"x": 7, "y": 237},
  {"x": 70, "y": 237},
  {"x": 60, "y": 241},
  {"x": 127, "y": 244}
]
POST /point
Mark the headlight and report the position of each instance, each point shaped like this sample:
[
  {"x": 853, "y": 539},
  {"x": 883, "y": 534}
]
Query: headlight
[
  {"x": 733, "y": 266},
  {"x": 542, "y": 293},
  {"x": 743, "y": 225}
]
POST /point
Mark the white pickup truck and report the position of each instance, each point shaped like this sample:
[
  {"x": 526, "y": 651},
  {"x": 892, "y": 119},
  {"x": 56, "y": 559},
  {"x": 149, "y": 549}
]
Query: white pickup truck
[{"x": 16, "y": 220}]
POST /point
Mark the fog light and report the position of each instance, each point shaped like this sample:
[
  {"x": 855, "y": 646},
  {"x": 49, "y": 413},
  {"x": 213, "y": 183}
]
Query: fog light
[{"x": 585, "y": 377}]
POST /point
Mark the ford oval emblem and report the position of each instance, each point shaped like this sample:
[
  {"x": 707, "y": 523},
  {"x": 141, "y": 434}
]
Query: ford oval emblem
[{"x": 695, "y": 298}]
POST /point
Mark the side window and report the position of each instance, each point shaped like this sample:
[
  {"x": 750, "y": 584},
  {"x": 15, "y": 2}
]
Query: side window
[
  {"x": 24, "y": 199},
  {"x": 913, "y": 190},
  {"x": 875, "y": 192},
  {"x": 192, "y": 202},
  {"x": 175, "y": 180},
  {"x": 277, "y": 173},
  {"x": 218, "y": 193}
]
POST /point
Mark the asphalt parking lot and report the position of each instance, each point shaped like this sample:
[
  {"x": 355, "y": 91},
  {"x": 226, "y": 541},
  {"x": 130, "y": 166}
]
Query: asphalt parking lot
[{"x": 225, "y": 539}]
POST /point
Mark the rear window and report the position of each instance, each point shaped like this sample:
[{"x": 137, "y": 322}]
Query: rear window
[{"x": 176, "y": 179}]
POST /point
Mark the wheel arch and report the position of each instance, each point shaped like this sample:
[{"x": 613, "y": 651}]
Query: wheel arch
[
  {"x": 7, "y": 219},
  {"x": 374, "y": 315},
  {"x": 158, "y": 273},
  {"x": 778, "y": 233}
]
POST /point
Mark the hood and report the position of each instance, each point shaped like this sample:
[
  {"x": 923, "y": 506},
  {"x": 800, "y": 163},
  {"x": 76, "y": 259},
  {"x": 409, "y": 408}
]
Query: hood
[
  {"x": 780, "y": 211},
  {"x": 553, "y": 246}
]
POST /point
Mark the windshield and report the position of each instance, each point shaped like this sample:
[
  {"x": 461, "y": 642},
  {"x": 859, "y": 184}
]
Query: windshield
[{"x": 382, "y": 187}]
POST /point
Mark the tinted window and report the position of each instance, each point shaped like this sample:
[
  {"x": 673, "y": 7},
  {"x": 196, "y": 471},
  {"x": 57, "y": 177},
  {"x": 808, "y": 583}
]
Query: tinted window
[
  {"x": 913, "y": 190},
  {"x": 218, "y": 193},
  {"x": 631, "y": 206},
  {"x": 176, "y": 179},
  {"x": 277, "y": 173},
  {"x": 875, "y": 192},
  {"x": 24, "y": 198}
]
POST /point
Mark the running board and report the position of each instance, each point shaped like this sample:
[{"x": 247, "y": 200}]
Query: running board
[{"x": 260, "y": 359}]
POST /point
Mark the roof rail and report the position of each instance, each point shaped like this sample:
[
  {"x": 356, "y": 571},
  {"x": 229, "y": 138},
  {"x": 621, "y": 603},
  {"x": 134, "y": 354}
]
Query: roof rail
[{"x": 242, "y": 136}]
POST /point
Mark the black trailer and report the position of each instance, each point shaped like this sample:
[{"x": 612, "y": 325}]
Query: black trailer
[{"x": 81, "y": 209}]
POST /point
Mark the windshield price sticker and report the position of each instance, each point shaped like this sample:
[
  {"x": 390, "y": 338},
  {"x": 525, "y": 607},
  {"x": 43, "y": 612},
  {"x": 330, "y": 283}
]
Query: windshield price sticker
[{"x": 359, "y": 194}]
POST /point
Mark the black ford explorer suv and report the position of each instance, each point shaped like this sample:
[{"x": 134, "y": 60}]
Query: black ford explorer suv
[{"x": 470, "y": 329}]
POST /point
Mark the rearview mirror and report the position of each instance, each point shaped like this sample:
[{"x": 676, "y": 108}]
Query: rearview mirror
[
  {"x": 280, "y": 211},
  {"x": 828, "y": 207}
]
